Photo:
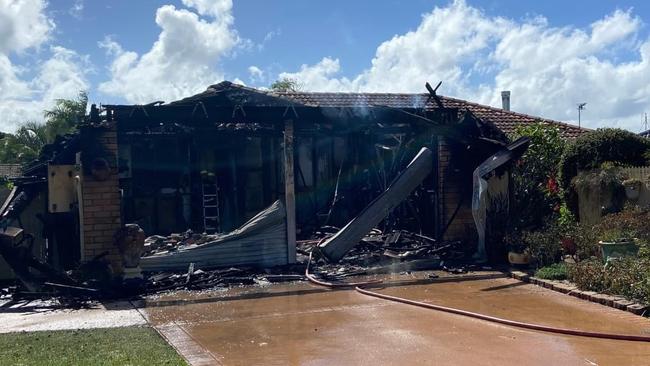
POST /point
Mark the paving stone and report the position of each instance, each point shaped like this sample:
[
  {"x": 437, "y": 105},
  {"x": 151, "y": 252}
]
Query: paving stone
[
  {"x": 586, "y": 295},
  {"x": 601, "y": 299},
  {"x": 576, "y": 293},
  {"x": 623, "y": 304},
  {"x": 563, "y": 287},
  {"x": 522, "y": 276},
  {"x": 637, "y": 309}
]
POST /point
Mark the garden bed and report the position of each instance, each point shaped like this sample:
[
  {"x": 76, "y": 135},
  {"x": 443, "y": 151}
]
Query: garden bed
[{"x": 566, "y": 287}]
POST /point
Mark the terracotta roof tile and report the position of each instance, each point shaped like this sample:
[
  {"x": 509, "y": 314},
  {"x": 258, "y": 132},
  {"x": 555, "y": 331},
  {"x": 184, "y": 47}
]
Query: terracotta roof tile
[{"x": 507, "y": 121}]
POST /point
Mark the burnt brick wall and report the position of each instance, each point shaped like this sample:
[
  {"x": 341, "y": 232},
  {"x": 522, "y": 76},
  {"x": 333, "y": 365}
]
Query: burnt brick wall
[
  {"x": 101, "y": 207},
  {"x": 462, "y": 227}
]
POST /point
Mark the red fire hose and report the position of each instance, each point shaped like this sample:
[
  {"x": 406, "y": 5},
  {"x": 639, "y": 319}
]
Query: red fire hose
[{"x": 358, "y": 287}]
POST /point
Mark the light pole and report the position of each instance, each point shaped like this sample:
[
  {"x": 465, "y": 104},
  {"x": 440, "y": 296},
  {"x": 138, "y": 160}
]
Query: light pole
[{"x": 581, "y": 106}]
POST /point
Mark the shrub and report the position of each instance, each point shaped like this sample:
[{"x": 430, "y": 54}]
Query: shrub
[
  {"x": 626, "y": 276},
  {"x": 586, "y": 242},
  {"x": 592, "y": 149},
  {"x": 535, "y": 188},
  {"x": 630, "y": 223},
  {"x": 557, "y": 272},
  {"x": 588, "y": 275},
  {"x": 629, "y": 276},
  {"x": 544, "y": 245}
]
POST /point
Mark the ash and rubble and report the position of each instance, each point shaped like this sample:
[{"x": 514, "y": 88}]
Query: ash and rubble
[{"x": 396, "y": 251}]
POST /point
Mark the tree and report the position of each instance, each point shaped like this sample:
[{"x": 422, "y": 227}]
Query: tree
[
  {"x": 286, "y": 85},
  {"x": 26, "y": 143},
  {"x": 65, "y": 116},
  {"x": 593, "y": 149}
]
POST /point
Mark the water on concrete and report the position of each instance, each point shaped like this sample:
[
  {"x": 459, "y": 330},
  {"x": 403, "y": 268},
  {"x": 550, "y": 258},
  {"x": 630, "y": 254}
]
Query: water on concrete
[
  {"x": 302, "y": 324},
  {"x": 40, "y": 315}
]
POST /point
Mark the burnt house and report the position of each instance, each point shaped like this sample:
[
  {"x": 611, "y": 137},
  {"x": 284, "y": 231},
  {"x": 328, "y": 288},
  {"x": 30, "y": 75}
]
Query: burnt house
[{"x": 212, "y": 161}]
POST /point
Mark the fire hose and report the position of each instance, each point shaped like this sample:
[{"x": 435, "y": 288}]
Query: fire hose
[{"x": 358, "y": 286}]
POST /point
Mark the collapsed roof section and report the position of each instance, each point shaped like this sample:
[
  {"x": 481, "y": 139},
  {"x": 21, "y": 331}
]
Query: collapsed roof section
[
  {"x": 228, "y": 105},
  {"x": 232, "y": 103}
]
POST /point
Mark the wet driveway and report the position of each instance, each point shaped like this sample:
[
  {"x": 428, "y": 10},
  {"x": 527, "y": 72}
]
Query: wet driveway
[{"x": 303, "y": 324}]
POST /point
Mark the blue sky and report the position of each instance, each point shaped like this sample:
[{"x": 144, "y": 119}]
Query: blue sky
[{"x": 551, "y": 54}]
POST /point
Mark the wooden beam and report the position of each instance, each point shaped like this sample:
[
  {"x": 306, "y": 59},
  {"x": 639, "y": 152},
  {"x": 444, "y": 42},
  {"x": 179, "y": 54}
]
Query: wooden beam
[
  {"x": 410, "y": 178},
  {"x": 289, "y": 192}
]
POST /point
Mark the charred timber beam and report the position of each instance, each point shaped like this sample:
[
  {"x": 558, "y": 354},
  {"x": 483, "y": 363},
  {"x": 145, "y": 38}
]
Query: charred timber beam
[
  {"x": 417, "y": 170},
  {"x": 289, "y": 191}
]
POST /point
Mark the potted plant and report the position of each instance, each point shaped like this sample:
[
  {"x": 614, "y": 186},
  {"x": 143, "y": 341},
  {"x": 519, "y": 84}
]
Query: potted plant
[
  {"x": 518, "y": 253},
  {"x": 617, "y": 243},
  {"x": 632, "y": 188}
]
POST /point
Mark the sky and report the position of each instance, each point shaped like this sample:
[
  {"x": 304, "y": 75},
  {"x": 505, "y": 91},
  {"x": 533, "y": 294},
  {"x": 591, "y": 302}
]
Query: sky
[{"x": 550, "y": 54}]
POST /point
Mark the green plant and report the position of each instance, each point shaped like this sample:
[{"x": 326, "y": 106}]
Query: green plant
[
  {"x": 65, "y": 116},
  {"x": 616, "y": 236},
  {"x": 286, "y": 85},
  {"x": 535, "y": 189},
  {"x": 632, "y": 223},
  {"x": 514, "y": 242},
  {"x": 592, "y": 149},
  {"x": 556, "y": 271},
  {"x": 544, "y": 245},
  {"x": 586, "y": 242},
  {"x": 26, "y": 143},
  {"x": 566, "y": 221},
  {"x": 625, "y": 276},
  {"x": 628, "y": 276},
  {"x": 588, "y": 275}
]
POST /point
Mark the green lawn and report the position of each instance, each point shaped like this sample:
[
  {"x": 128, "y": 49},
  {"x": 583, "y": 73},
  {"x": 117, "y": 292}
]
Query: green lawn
[{"x": 112, "y": 346}]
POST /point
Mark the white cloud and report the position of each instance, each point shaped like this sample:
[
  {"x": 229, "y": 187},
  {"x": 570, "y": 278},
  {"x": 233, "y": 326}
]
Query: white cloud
[
  {"x": 548, "y": 69},
  {"x": 62, "y": 75},
  {"x": 321, "y": 76},
  {"x": 77, "y": 9},
  {"x": 255, "y": 73},
  {"x": 182, "y": 61},
  {"x": 272, "y": 34},
  {"x": 59, "y": 72},
  {"x": 23, "y": 25}
]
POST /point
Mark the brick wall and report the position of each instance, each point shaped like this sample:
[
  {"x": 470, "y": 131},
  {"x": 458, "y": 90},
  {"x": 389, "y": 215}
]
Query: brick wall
[
  {"x": 101, "y": 207},
  {"x": 462, "y": 227}
]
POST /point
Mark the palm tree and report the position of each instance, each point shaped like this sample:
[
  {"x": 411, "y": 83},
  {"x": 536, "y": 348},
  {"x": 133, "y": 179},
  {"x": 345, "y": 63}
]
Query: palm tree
[
  {"x": 65, "y": 116},
  {"x": 26, "y": 143}
]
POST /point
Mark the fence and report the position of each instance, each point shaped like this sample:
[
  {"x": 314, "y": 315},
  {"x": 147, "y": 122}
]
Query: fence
[{"x": 637, "y": 172}]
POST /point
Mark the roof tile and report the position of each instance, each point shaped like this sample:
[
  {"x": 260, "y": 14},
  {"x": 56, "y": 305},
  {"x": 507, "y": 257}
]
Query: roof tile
[{"x": 507, "y": 121}]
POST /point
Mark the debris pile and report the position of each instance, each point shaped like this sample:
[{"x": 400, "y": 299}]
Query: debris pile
[
  {"x": 158, "y": 244},
  {"x": 198, "y": 279},
  {"x": 395, "y": 251},
  {"x": 376, "y": 253}
]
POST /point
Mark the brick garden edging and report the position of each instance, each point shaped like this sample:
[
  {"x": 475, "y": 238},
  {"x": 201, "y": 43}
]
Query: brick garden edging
[{"x": 617, "y": 302}]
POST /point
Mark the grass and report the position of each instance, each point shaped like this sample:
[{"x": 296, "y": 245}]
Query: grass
[
  {"x": 557, "y": 272},
  {"x": 110, "y": 346}
]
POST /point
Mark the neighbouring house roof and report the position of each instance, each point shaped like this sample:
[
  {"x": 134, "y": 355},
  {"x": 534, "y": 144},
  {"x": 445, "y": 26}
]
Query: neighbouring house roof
[
  {"x": 506, "y": 121},
  {"x": 10, "y": 170}
]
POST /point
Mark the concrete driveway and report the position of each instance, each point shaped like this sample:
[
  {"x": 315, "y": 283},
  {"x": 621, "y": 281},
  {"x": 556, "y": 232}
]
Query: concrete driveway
[{"x": 302, "y": 324}]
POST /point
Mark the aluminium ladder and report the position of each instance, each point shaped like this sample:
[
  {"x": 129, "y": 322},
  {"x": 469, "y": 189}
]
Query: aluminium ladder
[{"x": 210, "y": 192}]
